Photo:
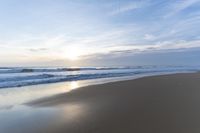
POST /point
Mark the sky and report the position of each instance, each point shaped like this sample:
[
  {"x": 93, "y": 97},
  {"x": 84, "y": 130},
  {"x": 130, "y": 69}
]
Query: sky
[{"x": 99, "y": 32}]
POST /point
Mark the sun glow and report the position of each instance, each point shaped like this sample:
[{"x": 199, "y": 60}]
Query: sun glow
[
  {"x": 74, "y": 85},
  {"x": 73, "y": 54}
]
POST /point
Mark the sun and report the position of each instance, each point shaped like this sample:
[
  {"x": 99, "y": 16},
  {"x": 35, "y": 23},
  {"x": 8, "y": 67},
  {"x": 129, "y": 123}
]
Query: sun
[{"x": 73, "y": 54}]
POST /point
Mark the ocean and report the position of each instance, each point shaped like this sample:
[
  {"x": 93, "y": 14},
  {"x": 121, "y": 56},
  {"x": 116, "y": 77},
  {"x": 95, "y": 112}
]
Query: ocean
[
  {"x": 25, "y": 76},
  {"x": 19, "y": 85}
]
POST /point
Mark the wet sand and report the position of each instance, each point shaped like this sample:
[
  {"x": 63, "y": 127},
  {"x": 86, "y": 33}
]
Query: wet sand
[{"x": 157, "y": 104}]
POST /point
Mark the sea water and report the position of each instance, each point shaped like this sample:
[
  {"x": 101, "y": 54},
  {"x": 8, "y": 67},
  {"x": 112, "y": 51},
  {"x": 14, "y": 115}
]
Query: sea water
[{"x": 19, "y": 85}]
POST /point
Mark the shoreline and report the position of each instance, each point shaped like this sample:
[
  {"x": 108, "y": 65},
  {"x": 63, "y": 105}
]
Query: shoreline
[
  {"x": 111, "y": 82},
  {"x": 17, "y": 96},
  {"x": 154, "y": 104}
]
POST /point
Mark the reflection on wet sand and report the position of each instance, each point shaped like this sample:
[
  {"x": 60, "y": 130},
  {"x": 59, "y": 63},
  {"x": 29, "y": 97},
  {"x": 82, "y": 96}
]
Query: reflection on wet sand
[
  {"x": 74, "y": 85},
  {"x": 16, "y": 96},
  {"x": 73, "y": 111},
  {"x": 23, "y": 119},
  {"x": 20, "y": 95}
]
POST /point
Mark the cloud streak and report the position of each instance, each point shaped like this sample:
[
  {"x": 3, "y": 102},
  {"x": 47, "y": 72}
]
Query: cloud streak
[
  {"x": 129, "y": 6},
  {"x": 159, "y": 47},
  {"x": 180, "y": 6}
]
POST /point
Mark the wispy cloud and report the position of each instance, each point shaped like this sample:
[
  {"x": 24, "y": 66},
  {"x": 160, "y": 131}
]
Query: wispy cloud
[
  {"x": 158, "y": 47},
  {"x": 180, "y": 6},
  {"x": 124, "y": 50},
  {"x": 37, "y": 49},
  {"x": 149, "y": 37},
  {"x": 122, "y": 8}
]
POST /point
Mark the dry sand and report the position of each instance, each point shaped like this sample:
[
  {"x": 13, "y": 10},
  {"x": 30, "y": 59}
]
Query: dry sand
[{"x": 157, "y": 104}]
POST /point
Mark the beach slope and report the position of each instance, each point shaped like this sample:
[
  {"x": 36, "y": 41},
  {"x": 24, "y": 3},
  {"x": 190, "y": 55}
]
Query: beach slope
[{"x": 157, "y": 104}]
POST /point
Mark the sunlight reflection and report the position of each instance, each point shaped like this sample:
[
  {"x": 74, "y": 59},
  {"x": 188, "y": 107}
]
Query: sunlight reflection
[
  {"x": 74, "y": 111},
  {"x": 74, "y": 85},
  {"x": 15, "y": 96},
  {"x": 70, "y": 86}
]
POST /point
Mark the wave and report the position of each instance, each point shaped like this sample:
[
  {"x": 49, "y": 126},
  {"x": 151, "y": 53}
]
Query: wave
[
  {"x": 16, "y": 77},
  {"x": 20, "y": 78},
  {"x": 31, "y": 70},
  {"x": 46, "y": 78},
  {"x": 4, "y": 70}
]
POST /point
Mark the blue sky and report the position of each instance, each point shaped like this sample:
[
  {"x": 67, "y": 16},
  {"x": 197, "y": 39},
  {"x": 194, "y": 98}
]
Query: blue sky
[{"x": 99, "y": 32}]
